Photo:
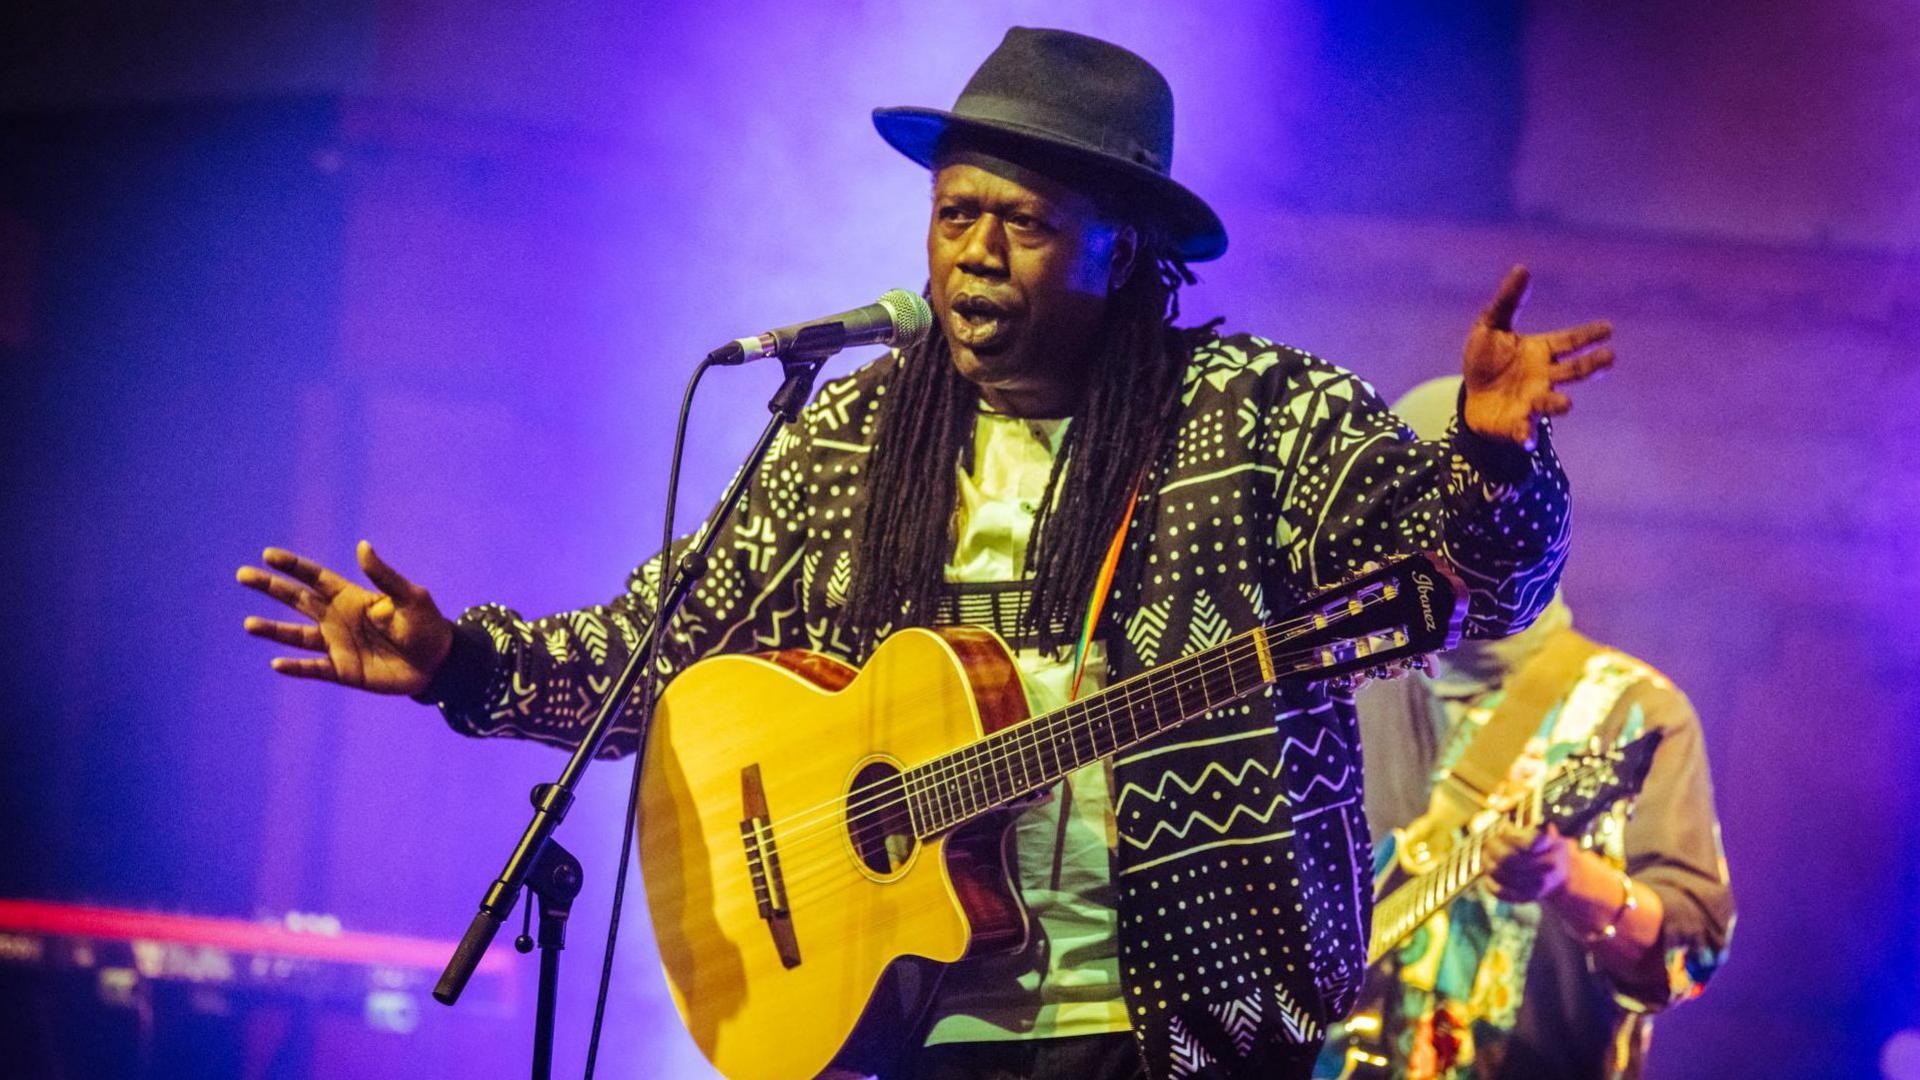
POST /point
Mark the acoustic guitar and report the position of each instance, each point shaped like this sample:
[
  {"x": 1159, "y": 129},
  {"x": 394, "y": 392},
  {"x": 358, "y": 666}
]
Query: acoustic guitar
[{"x": 810, "y": 833}]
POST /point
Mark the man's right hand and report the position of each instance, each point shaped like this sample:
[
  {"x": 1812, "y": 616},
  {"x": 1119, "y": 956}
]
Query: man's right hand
[{"x": 389, "y": 642}]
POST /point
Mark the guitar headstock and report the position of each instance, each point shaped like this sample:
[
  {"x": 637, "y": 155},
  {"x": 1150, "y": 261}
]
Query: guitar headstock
[
  {"x": 1382, "y": 622},
  {"x": 1586, "y": 784}
]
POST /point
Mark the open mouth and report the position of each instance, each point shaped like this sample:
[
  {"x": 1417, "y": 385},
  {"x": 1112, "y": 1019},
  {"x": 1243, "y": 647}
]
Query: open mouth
[{"x": 980, "y": 324}]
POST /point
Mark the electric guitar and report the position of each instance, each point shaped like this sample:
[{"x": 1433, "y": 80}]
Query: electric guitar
[
  {"x": 810, "y": 833},
  {"x": 1580, "y": 789}
]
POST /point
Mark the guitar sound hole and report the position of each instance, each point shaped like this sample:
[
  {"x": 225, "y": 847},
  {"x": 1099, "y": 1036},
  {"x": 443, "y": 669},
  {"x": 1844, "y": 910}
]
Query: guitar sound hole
[{"x": 877, "y": 821}]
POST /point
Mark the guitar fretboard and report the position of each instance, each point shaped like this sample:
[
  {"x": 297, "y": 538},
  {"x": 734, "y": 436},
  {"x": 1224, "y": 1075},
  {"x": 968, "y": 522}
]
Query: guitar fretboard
[
  {"x": 1029, "y": 757},
  {"x": 1415, "y": 902},
  {"x": 1401, "y": 912},
  {"x": 1392, "y": 613}
]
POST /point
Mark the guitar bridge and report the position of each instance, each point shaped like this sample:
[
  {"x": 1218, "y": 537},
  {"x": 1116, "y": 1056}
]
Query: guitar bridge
[{"x": 763, "y": 867}]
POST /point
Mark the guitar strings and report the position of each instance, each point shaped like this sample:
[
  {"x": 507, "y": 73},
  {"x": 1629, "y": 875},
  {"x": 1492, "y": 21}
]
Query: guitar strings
[
  {"x": 1391, "y": 921},
  {"x": 1066, "y": 724},
  {"x": 802, "y": 887},
  {"x": 860, "y": 809},
  {"x": 1570, "y": 776},
  {"x": 861, "y": 805},
  {"x": 1388, "y": 914},
  {"x": 798, "y": 850},
  {"x": 796, "y": 847},
  {"x": 852, "y": 806},
  {"x": 1283, "y": 632}
]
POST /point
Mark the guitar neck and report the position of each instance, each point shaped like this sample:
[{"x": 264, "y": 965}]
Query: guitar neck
[
  {"x": 1414, "y": 902},
  {"x": 1400, "y": 913},
  {"x": 1570, "y": 797},
  {"x": 1030, "y": 757},
  {"x": 1413, "y": 606}
]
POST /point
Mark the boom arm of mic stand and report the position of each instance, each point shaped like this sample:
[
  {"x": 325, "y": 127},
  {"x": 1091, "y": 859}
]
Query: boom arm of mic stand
[{"x": 551, "y": 801}]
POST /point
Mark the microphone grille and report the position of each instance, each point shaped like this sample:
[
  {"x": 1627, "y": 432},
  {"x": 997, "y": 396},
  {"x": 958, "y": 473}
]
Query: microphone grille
[{"x": 911, "y": 316}]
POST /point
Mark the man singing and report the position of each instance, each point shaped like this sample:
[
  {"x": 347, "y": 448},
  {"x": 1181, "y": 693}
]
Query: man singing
[{"x": 1198, "y": 905}]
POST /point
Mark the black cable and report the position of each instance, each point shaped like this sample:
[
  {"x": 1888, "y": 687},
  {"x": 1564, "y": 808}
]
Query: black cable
[{"x": 649, "y": 680}]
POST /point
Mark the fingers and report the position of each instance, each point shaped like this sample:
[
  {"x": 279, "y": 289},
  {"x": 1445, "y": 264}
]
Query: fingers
[
  {"x": 1581, "y": 367},
  {"x": 300, "y": 636},
  {"x": 1512, "y": 862},
  {"x": 1574, "y": 339},
  {"x": 385, "y": 577},
  {"x": 298, "y": 597},
  {"x": 306, "y": 667},
  {"x": 1552, "y": 403},
  {"x": 1501, "y": 842},
  {"x": 320, "y": 579},
  {"x": 1506, "y": 300}
]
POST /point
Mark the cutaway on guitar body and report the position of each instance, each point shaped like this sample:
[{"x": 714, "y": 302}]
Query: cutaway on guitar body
[
  {"x": 787, "y": 876},
  {"x": 817, "y": 841}
]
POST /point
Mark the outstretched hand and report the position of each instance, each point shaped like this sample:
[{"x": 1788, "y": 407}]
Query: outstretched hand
[
  {"x": 1512, "y": 377},
  {"x": 390, "y": 642}
]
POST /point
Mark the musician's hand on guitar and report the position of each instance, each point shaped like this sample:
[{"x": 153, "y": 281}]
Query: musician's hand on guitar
[
  {"x": 1526, "y": 867},
  {"x": 390, "y": 642},
  {"x": 1513, "y": 378}
]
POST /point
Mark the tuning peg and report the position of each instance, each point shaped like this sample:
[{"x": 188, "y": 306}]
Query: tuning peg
[{"x": 1392, "y": 669}]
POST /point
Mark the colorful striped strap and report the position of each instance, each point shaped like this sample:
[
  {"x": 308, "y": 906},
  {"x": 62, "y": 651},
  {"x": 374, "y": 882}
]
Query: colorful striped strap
[{"x": 1101, "y": 588}]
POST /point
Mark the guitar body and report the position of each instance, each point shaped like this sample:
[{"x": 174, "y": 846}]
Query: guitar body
[
  {"x": 818, "y": 841},
  {"x": 776, "y": 922}
]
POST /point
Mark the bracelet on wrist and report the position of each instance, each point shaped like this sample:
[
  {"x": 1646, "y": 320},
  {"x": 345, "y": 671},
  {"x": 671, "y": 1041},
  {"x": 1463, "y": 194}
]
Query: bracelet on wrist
[{"x": 1628, "y": 902}]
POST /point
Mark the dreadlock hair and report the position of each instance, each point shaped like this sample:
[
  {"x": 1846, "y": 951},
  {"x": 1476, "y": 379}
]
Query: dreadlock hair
[{"x": 925, "y": 422}]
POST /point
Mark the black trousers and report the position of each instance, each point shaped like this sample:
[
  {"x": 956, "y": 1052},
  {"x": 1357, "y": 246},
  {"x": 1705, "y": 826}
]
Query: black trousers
[{"x": 1081, "y": 1057}]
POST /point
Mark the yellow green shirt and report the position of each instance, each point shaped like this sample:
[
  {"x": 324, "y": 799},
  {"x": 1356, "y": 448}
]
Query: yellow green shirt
[{"x": 1067, "y": 979}]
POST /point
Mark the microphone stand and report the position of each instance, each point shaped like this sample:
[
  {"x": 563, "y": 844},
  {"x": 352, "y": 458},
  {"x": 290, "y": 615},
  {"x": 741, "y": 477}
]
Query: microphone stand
[
  {"x": 538, "y": 861},
  {"x": 555, "y": 880}
]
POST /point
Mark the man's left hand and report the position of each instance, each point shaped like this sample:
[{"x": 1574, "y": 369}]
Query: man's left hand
[
  {"x": 1512, "y": 378},
  {"x": 1527, "y": 867}
]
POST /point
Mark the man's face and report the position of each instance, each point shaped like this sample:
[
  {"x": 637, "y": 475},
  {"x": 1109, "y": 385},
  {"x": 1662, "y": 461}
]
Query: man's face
[{"x": 1021, "y": 267}]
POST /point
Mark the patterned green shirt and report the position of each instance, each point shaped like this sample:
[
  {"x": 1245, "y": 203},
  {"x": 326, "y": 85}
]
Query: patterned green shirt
[{"x": 1490, "y": 989}]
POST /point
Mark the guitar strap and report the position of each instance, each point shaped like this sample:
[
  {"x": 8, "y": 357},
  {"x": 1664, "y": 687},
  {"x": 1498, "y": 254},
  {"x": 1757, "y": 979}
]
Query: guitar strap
[
  {"x": 1101, "y": 587},
  {"x": 1530, "y": 693}
]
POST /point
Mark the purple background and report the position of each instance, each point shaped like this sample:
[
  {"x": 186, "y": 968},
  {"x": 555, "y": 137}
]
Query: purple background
[{"x": 433, "y": 273}]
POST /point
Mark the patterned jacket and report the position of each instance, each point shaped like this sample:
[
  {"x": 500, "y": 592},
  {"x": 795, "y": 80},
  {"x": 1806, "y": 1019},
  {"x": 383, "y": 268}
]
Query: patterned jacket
[{"x": 1243, "y": 854}]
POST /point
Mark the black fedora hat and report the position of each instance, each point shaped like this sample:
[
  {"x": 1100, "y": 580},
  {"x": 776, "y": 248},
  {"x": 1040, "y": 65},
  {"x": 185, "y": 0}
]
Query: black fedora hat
[{"x": 1081, "y": 102}]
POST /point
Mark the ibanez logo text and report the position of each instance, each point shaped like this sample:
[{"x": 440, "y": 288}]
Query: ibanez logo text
[{"x": 1424, "y": 586}]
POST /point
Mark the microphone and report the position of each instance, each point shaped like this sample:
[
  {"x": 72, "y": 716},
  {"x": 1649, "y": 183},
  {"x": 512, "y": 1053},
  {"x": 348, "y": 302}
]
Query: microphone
[{"x": 898, "y": 318}]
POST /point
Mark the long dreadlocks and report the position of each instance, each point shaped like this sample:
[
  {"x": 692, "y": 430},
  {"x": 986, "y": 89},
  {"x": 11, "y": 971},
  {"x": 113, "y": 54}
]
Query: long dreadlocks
[{"x": 926, "y": 420}]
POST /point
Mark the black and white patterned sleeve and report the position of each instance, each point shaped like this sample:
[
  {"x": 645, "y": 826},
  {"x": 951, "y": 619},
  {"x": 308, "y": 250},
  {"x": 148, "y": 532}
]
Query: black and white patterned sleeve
[
  {"x": 1360, "y": 488},
  {"x": 543, "y": 679}
]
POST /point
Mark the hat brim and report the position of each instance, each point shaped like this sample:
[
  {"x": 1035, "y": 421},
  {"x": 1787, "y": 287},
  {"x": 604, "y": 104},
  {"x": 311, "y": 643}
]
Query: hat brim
[{"x": 1193, "y": 228}]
